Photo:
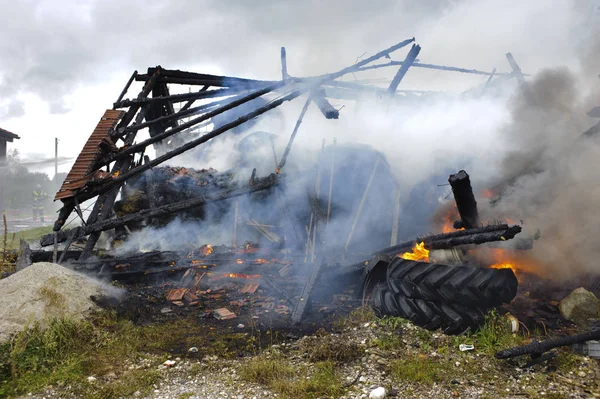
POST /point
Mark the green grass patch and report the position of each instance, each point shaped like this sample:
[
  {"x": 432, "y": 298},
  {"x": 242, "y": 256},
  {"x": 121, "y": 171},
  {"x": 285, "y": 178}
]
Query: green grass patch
[
  {"x": 495, "y": 335},
  {"x": 30, "y": 235},
  {"x": 67, "y": 351},
  {"x": 356, "y": 318},
  {"x": 417, "y": 368},
  {"x": 320, "y": 381}
]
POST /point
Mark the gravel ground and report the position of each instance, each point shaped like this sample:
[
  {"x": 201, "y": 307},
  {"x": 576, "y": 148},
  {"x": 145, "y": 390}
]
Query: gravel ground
[{"x": 470, "y": 374}]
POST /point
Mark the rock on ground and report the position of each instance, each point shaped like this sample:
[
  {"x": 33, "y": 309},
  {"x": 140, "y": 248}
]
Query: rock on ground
[
  {"x": 580, "y": 306},
  {"x": 40, "y": 292}
]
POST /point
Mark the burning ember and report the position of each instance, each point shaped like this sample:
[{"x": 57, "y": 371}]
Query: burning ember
[
  {"x": 206, "y": 250},
  {"x": 419, "y": 253},
  {"x": 239, "y": 261}
]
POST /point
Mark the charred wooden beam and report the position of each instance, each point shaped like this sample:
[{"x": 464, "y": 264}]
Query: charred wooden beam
[
  {"x": 479, "y": 235},
  {"x": 592, "y": 131},
  {"x": 103, "y": 225},
  {"x": 314, "y": 84},
  {"x": 284, "y": 72},
  {"x": 225, "y": 107},
  {"x": 324, "y": 106},
  {"x": 182, "y": 97},
  {"x": 193, "y": 78},
  {"x": 304, "y": 302},
  {"x": 438, "y": 67},
  {"x": 518, "y": 74},
  {"x": 465, "y": 200},
  {"x": 410, "y": 59},
  {"x": 537, "y": 348},
  {"x": 182, "y": 113},
  {"x": 294, "y": 132},
  {"x": 129, "y": 82}
]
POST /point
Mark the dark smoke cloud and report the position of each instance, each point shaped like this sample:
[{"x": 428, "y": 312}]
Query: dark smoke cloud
[{"x": 549, "y": 173}]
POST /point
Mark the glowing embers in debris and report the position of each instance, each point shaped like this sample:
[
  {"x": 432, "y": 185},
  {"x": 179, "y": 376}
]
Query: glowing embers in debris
[
  {"x": 419, "y": 252},
  {"x": 206, "y": 250},
  {"x": 213, "y": 276}
]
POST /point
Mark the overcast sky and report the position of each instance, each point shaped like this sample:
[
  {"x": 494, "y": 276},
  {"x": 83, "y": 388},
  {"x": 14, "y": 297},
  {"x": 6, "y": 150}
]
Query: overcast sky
[{"x": 62, "y": 63}]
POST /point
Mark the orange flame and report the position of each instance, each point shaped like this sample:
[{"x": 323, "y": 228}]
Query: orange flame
[
  {"x": 518, "y": 261},
  {"x": 487, "y": 193},
  {"x": 260, "y": 261},
  {"x": 419, "y": 253},
  {"x": 239, "y": 261}
]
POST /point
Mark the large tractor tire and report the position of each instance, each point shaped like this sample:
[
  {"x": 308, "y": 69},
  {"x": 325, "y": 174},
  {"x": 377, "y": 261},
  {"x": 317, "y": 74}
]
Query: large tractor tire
[
  {"x": 452, "y": 318},
  {"x": 468, "y": 286}
]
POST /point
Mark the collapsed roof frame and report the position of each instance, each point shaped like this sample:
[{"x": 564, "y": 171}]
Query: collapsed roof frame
[{"x": 87, "y": 180}]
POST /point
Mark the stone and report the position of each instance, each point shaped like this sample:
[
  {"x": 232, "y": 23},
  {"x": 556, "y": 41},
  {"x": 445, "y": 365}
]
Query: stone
[
  {"x": 377, "y": 393},
  {"x": 580, "y": 307},
  {"x": 91, "y": 378},
  {"x": 169, "y": 363},
  {"x": 362, "y": 379},
  {"x": 193, "y": 349}
]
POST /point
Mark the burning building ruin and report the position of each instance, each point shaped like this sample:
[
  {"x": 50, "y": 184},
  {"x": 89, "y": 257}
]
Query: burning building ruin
[{"x": 298, "y": 230}]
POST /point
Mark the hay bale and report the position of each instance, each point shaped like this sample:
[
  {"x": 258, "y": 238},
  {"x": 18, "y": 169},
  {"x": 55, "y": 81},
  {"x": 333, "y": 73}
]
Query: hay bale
[{"x": 41, "y": 292}]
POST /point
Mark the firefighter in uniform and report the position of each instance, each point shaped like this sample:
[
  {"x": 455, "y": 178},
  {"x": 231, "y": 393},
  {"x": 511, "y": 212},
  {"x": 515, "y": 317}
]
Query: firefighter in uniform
[{"x": 38, "y": 203}]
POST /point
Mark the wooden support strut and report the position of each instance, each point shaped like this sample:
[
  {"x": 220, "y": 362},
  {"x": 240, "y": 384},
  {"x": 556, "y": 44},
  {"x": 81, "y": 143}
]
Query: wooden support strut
[
  {"x": 410, "y": 59},
  {"x": 103, "y": 206}
]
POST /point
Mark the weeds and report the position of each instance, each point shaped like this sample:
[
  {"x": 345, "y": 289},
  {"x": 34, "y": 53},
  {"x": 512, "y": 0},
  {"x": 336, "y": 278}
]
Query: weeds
[
  {"x": 330, "y": 348},
  {"x": 417, "y": 368},
  {"x": 294, "y": 382},
  {"x": 496, "y": 334}
]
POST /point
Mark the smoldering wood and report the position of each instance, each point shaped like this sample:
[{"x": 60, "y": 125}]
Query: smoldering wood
[
  {"x": 304, "y": 302},
  {"x": 293, "y": 135},
  {"x": 284, "y": 72},
  {"x": 410, "y": 59},
  {"x": 103, "y": 225},
  {"x": 182, "y": 113},
  {"x": 194, "y": 78},
  {"x": 325, "y": 106},
  {"x": 175, "y": 98},
  {"x": 465, "y": 200},
  {"x": 225, "y": 107},
  {"x": 438, "y": 67},
  {"x": 155, "y": 74},
  {"x": 489, "y": 80},
  {"x": 480, "y": 235},
  {"x": 537, "y": 348},
  {"x": 518, "y": 74},
  {"x": 129, "y": 82}
]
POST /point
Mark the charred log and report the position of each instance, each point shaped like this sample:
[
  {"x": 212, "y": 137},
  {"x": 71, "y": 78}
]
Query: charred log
[
  {"x": 537, "y": 348},
  {"x": 410, "y": 59},
  {"x": 325, "y": 106},
  {"x": 465, "y": 200}
]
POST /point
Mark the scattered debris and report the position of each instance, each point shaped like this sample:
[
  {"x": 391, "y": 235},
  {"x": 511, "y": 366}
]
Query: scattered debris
[{"x": 223, "y": 314}]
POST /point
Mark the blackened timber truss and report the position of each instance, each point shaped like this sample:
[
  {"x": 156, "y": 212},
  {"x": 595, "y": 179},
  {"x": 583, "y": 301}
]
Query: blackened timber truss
[{"x": 153, "y": 108}]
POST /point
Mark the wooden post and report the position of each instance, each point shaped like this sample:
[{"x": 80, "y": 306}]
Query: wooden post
[
  {"x": 410, "y": 59},
  {"x": 317, "y": 212},
  {"x": 465, "y": 200},
  {"x": 362, "y": 203},
  {"x": 395, "y": 221},
  {"x": 331, "y": 179},
  {"x": 284, "y": 73},
  {"x": 235, "y": 223}
]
